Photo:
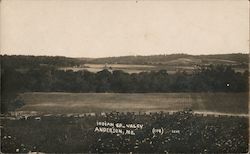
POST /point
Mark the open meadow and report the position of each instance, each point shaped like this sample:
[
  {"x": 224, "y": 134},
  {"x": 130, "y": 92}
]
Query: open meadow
[{"x": 58, "y": 102}]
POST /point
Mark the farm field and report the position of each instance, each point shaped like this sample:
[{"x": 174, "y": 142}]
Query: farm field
[
  {"x": 58, "y": 102},
  {"x": 124, "y": 67},
  {"x": 130, "y": 68}
]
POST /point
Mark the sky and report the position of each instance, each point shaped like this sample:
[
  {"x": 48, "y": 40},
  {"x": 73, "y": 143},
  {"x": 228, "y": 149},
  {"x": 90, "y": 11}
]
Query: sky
[{"x": 118, "y": 28}]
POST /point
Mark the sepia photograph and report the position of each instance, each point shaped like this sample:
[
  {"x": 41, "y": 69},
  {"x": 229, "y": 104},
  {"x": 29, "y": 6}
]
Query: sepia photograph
[{"x": 127, "y": 76}]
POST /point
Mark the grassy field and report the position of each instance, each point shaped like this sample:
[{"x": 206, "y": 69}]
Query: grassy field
[
  {"x": 124, "y": 67},
  {"x": 124, "y": 102},
  {"x": 171, "y": 69}
]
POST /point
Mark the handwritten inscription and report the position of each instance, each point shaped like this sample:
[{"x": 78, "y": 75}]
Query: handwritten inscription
[
  {"x": 127, "y": 128},
  {"x": 157, "y": 131},
  {"x": 117, "y": 128}
]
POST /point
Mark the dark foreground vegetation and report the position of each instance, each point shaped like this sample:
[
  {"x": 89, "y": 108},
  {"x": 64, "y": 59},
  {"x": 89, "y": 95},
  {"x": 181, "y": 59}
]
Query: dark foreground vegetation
[{"x": 183, "y": 132}]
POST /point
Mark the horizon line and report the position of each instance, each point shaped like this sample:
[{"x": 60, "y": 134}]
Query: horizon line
[{"x": 122, "y": 55}]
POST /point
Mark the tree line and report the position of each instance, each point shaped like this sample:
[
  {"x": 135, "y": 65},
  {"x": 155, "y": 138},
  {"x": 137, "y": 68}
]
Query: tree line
[
  {"x": 21, "y": 61},
  {"x": 217, "y": 78},
  {"x": 213, "y": 78}
]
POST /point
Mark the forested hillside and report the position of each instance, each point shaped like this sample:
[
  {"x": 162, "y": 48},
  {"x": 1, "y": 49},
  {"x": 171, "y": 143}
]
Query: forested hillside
[
  {"x": 19, "y": 61},
  {"x": 177, "y": 59}
]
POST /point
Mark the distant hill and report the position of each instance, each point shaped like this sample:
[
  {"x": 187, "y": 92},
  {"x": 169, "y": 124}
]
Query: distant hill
[
  {"x": 20, "y": 61},
  {"x": 176, "y": 59},
  {"x": 30, "y": 61}
]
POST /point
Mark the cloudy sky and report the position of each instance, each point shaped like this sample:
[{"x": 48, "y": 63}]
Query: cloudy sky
[{"x": 115, "y": 28}]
